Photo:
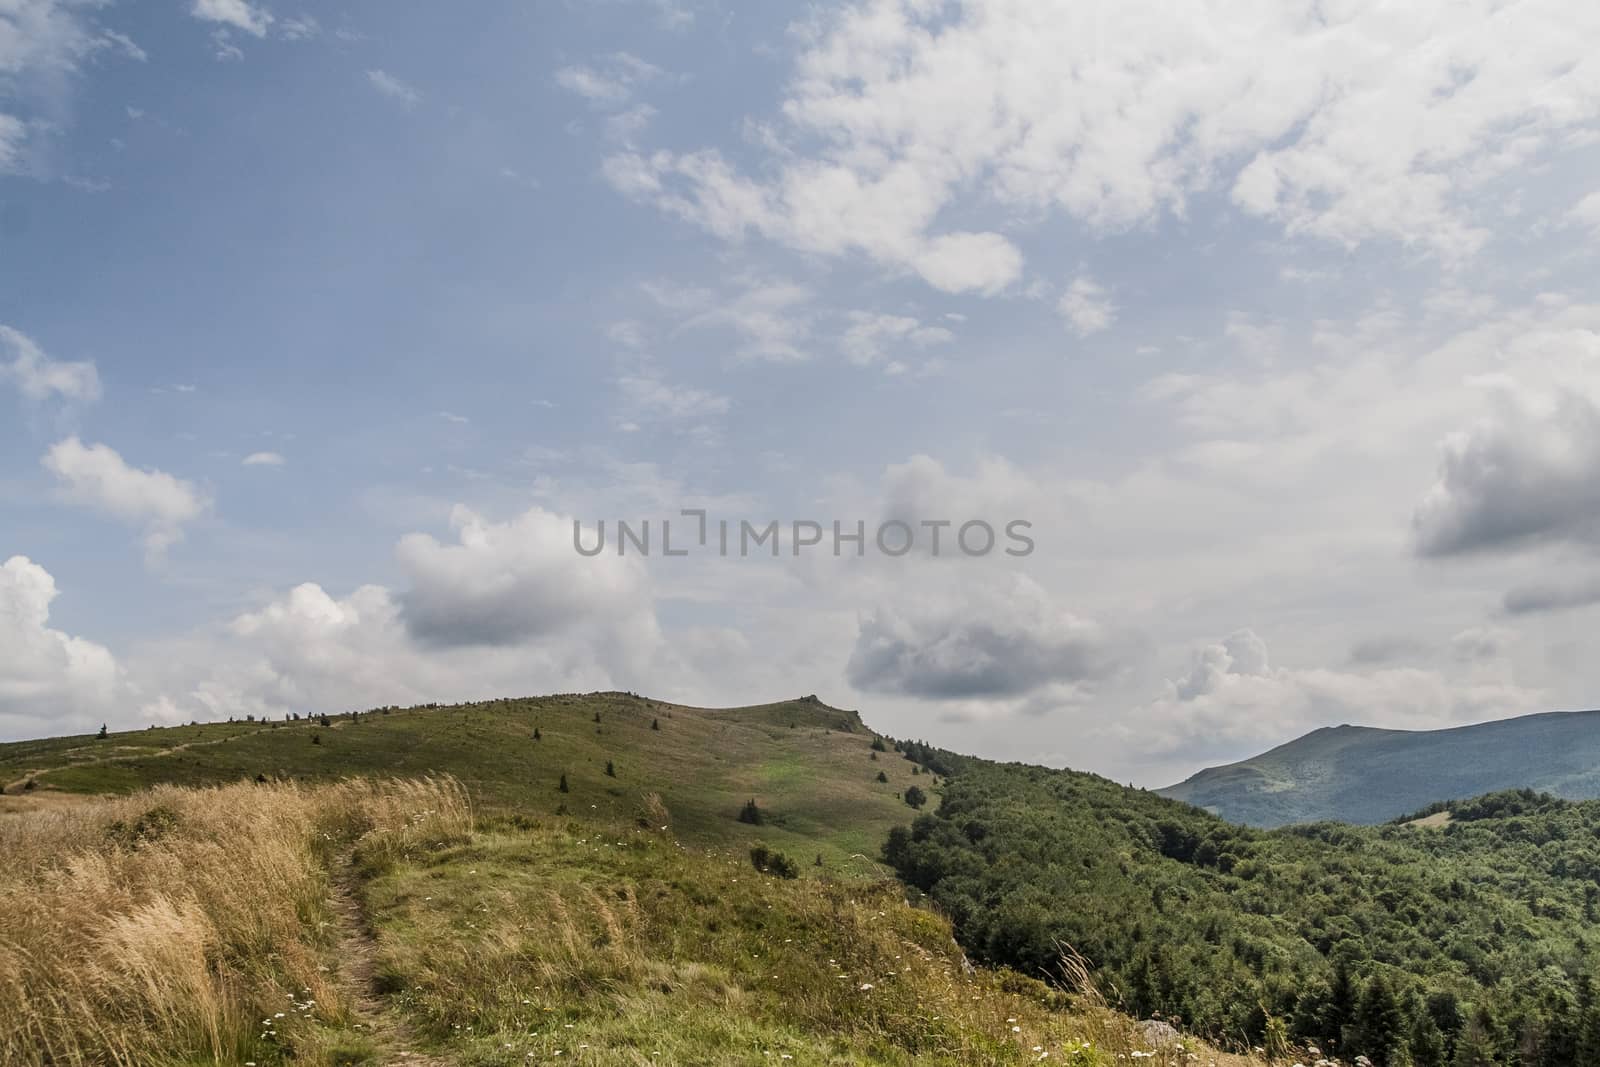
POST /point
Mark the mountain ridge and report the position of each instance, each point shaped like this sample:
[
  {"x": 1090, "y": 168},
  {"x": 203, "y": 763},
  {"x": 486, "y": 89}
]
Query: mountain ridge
[{"x": 1368, "y": 775}]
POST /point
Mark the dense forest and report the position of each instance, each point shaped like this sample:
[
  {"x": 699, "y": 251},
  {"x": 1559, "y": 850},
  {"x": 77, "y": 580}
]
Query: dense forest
[{"x": 1468, "y": 938}]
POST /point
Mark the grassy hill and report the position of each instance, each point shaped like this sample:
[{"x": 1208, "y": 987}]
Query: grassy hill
[
  {"x": 482, "y": 915},
  {"x": 1358, "y": 774},
  {"x": 810, "y": 768},
  {"x": 314, "y": 918}
]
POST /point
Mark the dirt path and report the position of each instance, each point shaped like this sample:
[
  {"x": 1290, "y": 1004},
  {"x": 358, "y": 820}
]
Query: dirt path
[{"x": 357, "y": 967}]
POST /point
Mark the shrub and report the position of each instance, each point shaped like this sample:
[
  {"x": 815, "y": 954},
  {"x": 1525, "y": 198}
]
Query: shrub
[
  {"x": 655, "y": 724},
  {"x": 751, "y": 814},
  {"x": 611, "y": 769},
  {"x": 563, "y": 786},
  {"x": 882, "y": 777},
  {"x": 916, "y": 797},
  {"x": 878, "y": 745},
  {"x": 774, "y": 862}
]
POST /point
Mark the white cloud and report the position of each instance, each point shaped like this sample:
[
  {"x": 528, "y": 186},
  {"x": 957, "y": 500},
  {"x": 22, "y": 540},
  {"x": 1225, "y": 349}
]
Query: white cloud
[
  {"x": 504, "y": 608},
  {"x": 770, "y": 318},
  {"x": 647, "y": 396},
  {"x": 393, "y": 87},
  {"x": 869, "y": 336},
  {"x": 301, "y": 28},
  {"x": 263, "y": 459},
  {"x": 503, "y": 583},
  {"x": 611, "y": 82},
  {"x": 50, "y": 682},
  {"x": 236, "y": 14},
  {"x": 1087, "y": 306},
  {"x": 43, "y": 46},
  {"x": 1587, "y": 210},
  {"x": 95, "y": 476},
  {"x": 38, "y": 377},
  {"x": 1349, "y": 124}
]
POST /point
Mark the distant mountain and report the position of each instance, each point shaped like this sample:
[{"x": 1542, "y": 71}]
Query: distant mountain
[{"x": 1359, "y": 774}]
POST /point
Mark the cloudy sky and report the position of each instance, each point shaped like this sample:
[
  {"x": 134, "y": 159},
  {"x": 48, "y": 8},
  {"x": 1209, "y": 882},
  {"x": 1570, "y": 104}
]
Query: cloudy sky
[{"x": 1278, "y": 322}]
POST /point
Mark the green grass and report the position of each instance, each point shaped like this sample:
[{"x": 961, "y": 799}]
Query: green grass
[
  {"x": 565, "y": 941},
  {"x": 806, "y": 765}
]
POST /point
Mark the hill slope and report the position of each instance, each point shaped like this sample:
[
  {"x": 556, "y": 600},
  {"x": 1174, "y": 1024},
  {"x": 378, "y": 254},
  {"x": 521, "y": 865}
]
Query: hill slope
[
  {"x": 810, "y": 768},
  {"x": 1359, "y": 774}
]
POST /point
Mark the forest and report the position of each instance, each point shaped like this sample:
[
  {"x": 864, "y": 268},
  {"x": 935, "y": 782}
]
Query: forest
[{"x": 1463, "y": 935}]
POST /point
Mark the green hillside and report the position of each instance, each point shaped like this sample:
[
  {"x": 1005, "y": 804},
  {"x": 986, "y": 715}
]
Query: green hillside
[
  {"x": 1358, "y": 774},
  {"x": 810, "y": 768},
  {"x": 1470, "y": 939},
  {"x": 1464, "y": 936},
  {"x": 329, "y": 915}
]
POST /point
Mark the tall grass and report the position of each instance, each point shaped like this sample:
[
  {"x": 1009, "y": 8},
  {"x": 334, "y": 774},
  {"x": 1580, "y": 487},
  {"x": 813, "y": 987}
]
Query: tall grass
[{"x": 165, "y": 926}]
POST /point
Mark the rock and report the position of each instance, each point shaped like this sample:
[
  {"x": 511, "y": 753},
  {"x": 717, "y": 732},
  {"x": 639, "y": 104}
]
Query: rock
[{"x": 1156, "y": 1033}]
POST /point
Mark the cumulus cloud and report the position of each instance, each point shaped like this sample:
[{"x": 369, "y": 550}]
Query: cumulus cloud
[
  {"x": 95, "y": 476},
  {"x": 50, "y": 682},
  {"x": 1528, "y": 474},
  {"x": 998, "y": 642},
  {"x": 504, "y": 608},
  {"x": 38, "y": 377},
  {"x": 1115, "y": 115},
  {"x": 1087, "y": 306},
  {"x": 393, "y": 87},
  {"x": 504, "y": 583}
]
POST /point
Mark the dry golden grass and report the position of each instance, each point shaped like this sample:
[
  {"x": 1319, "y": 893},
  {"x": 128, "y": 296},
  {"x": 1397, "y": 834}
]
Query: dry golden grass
[{"x": 163, "y": 927}]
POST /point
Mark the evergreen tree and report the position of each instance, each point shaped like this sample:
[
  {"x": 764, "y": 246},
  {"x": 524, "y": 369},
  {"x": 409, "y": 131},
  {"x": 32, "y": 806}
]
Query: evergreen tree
[
  {"x": 1341, "y": 1008},
  {"x": 102, "y": 732},
  {"x": 655, "y": 724},
  {"x": 1425, "y": 1040},
  {"x": 1479, "y": 1043},
  {"x": 750, "y": 813},
  {"x": 563, "y": 785},
  {"x": 882, "y": 777},
  {"x": 611, "y": 769},
  {"x": 1379, "y": 1021},
  {"x": 916, "y": 797},
  {"x": 536, "y": 734}
]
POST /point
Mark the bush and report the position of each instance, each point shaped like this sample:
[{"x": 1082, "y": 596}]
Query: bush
[
  {"x": 878, "y": 745},
  {"x": 882, "y": 777},
  {"x": 916, "y": 797},
  {"x": 611, "y": 769},
  {"x": 773, "y": 862},
  {"x": 751, "y": 814},
  {"x": 563, "y": 786}
]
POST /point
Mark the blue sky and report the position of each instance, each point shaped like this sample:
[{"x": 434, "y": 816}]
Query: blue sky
[{"x": 319, "y": 327}]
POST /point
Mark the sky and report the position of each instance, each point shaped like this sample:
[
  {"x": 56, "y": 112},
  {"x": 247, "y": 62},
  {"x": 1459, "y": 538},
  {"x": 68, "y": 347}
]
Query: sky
[{"x": 1275, "y": 325}]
